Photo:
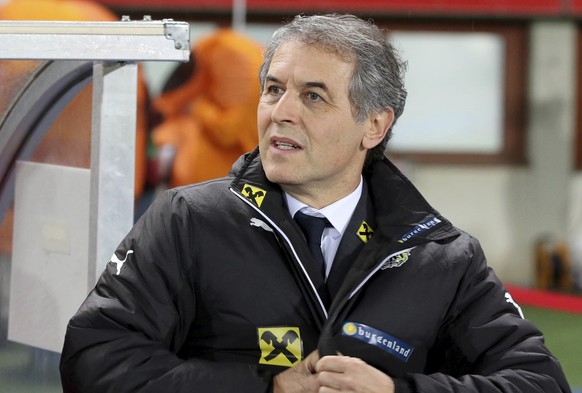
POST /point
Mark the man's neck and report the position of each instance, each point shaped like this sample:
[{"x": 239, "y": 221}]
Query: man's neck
[
  {"x": 320, "y": 198},
  {"x": 350, "y": 199}
]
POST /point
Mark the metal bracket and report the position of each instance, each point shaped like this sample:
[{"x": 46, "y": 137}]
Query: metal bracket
[{"x": 177, "y": 31}]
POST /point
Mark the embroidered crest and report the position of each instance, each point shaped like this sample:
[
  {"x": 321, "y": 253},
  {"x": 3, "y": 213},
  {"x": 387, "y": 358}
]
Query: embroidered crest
[
  {"x": 280, "y": 346},
  {"x": 254, "y": 194},
  {"x": 365, "y": 232},
  {"x": 397, "y": 260}
]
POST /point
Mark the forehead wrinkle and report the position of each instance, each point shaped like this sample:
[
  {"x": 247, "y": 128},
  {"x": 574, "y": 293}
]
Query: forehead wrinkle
[
  {"x": 306, "y": 75},
  {"x": 305, "y": 85}
]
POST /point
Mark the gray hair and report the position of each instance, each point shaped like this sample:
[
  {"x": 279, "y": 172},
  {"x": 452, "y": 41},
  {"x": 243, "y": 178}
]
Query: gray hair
[{"x": 378, "y": 78}]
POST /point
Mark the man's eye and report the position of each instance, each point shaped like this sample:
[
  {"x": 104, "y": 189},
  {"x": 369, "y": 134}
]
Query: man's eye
[
  {"x": 313, "y": 96},
  {"x": 273, "y": 90}
]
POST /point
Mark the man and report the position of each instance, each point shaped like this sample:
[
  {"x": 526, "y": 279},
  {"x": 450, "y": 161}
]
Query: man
[{"x": 219, "y": 290}]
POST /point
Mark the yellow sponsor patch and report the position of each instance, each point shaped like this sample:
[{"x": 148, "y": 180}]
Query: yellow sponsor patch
[
  {"x": 365, "y": 232},
  {"x": 280, "y": 346},
  {"x": 254, "y": 194}
]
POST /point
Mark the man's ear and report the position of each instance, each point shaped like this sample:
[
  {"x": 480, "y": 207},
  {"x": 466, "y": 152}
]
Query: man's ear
[{"x": 379, "y": 123}]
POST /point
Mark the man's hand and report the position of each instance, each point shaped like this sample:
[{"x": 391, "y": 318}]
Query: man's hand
[
  {"x": 349, "y": 374},
  {"x": 298, "y": 379}
]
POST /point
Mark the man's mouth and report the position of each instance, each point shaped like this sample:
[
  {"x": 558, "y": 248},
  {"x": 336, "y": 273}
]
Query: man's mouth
[{"x": 286, "y": 146}]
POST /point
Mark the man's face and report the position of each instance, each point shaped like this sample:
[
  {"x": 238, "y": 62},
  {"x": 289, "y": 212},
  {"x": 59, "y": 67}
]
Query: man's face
[{"x": 309, "y": 142}]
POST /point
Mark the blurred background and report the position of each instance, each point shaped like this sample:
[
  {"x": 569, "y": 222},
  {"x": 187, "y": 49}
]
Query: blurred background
[{"x": 491, "y": 134}]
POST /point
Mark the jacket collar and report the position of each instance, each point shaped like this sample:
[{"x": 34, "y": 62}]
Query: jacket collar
[{"x": 402, "y": 215}]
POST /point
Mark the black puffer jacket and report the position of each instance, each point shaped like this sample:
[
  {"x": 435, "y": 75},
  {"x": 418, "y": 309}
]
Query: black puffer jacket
[{"x": 213, "y": 291}]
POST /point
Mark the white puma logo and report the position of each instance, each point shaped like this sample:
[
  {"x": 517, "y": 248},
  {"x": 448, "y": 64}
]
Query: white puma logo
[
  {"x": 255, "y": 222},
  {"x": 119, "y": 263},
  {"x": 509, "y": 299}
]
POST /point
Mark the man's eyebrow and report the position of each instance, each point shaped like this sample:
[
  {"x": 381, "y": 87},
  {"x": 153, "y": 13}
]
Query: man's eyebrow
[
  {"x": 314, "y": 84},
  {"x": 319, "y": 85},
  {"x": 271, "y": 78}
]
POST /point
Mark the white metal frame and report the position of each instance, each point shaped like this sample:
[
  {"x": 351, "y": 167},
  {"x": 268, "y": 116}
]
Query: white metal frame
[
  {"x": 114, "y": 48},
  {"x": 145, "y": 40}
]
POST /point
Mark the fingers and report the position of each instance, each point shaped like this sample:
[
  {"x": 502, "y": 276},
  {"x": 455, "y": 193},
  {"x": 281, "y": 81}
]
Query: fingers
[
  {"x": 350, "y": 374},
  {"x": 298, "y": 379},
  {"x": 336, "y": 373},
  {"x": 310, "y": 362},
  {"x": 332, "y": 374},
  {"x": 339, "y": 364}
]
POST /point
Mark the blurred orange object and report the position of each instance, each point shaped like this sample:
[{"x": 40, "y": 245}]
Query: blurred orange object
[
  {"x": 210, "y": 118},
  {"x": 67, "y": 10}
]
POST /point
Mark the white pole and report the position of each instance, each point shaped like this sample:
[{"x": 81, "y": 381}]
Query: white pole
[{"x": 239, "y": 15}]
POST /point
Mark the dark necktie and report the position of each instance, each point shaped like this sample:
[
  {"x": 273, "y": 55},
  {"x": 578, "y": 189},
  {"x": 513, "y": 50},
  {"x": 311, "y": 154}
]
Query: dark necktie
[{"x": 313, "y": 229}]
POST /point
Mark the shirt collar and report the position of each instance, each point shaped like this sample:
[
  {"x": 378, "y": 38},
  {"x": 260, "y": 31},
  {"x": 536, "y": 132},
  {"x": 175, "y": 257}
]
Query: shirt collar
[{"x": 338, "y": 213}]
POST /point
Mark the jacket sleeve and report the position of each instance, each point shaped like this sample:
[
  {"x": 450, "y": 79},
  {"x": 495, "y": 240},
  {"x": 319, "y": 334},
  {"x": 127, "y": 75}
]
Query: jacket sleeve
[
  {"x": 127, "y": 333},
  {"x": 485, "y": 344}
]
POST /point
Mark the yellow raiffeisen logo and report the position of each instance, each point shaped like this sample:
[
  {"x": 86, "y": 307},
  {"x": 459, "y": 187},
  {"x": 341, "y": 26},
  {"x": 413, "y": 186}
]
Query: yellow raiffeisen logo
[
  {"x": 365, "y": 232},
  {"x": 254, "y": 194},
  {"x": 280, "y": 346}
]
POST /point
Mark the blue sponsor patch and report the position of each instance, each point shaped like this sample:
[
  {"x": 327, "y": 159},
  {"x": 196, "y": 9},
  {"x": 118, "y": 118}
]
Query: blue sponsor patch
[
  {"x": 425, "y": 225},
  {"x": 379, "y": 339}
]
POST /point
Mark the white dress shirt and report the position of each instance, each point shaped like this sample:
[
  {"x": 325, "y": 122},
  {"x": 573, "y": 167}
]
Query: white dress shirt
[{"x": 338, "y": 214}]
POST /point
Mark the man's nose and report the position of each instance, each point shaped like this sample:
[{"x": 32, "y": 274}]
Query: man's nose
[{"x": 287, "y": 109}]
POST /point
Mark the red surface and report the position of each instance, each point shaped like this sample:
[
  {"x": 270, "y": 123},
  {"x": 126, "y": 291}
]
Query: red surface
[
  {"x": 544, "y": 299},
  {"x": 576, "y": 6},
  {"x": 494, "y": 7}
]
